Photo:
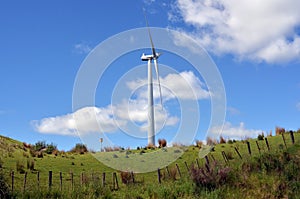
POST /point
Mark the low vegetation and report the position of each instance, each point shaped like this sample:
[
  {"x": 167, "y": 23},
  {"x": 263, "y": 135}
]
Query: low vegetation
[{"x": 230, "y": 170}]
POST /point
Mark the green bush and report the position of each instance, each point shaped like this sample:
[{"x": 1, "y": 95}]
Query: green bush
[
  {"x": 39, "y": 145},
  {"x": 50, "y": 148},
  {"x": 79, "y": 148},
  {"x": 260, "y": 137}
]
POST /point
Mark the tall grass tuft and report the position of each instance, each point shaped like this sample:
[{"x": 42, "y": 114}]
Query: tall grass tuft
[{"x": 20, "y": 167}]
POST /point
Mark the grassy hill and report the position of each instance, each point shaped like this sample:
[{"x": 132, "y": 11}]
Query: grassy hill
[{"x": 272, "y": 172}]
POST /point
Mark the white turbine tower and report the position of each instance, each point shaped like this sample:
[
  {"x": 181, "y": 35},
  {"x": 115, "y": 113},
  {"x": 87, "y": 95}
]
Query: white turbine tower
[{"x": 154, "y": 56}]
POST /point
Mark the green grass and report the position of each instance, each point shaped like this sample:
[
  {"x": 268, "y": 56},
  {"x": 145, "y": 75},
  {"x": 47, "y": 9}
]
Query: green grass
[{"x": 258, "y": 184}]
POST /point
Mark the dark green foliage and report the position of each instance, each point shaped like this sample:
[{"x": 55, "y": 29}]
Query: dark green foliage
[
  {"x": 51, "y": 148},
  {"x": 230, "y": 142},
  {"x": 79, "y": 148},
  {"x": 260, "y": 137},
  {"x": 39, "y": 145}
]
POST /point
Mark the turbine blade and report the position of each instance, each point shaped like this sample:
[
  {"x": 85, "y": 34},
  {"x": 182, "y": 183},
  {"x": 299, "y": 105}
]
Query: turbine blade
[
  {"x": 158, "y": 81},
  {"x": 149, "y": 33}
]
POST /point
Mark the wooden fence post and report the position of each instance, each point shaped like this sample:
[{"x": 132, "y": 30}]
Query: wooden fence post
[
  {"x": 257, "y": 146},
  {"x": 103, "y": 179},
  {"x": 178, "y": 169},
  {"x": 187, "y": 167},
  {"x": 267, "y": 143},
  {"x": 12, "y": 181},
  {"x": 60, "y": 181},
  {"x": 225, "y": 157},
  {"x": 292, "y": 137},
  {"x": 207, "y": 163},
  {"x": 237, "y": 151},
  {"x": 158, "y": 175},
  {"x": 206, "y": 159},
  {"x": 167, "y": 168},
  {"x": 25, "y": 179},
  {"x": 115, "y": 181},
  {"x": 249, "y": 148},
  {"x": 283, "y": 138},
  {"x": 197, "y": 163},
  {"x": 132, "y": 177},
  {"x": 50, "y": 180},
  {"x": 38, "y": 179},
  {"x": 81, "y": 178}
]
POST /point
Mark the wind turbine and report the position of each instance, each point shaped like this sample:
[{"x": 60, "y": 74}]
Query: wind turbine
[{"x": 154, "y": 56}]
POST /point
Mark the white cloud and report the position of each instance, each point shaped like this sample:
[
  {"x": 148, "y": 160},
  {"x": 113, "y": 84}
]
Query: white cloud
[
  {"x": 235, "y": 132},
  {"x": 85, "y": 120},
  {"x": 107, "y": 120},
  {"x": 256, "y": 30},
  {"x": 298, "y": 106},
  {"x": 127, "y": 114},
  {"x": 184, "y": 86},
  {"x": 82, "y": 48}
]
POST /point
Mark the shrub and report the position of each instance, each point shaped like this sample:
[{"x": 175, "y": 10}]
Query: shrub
[
  {"x": 222, "y": 140},
  {"x": 150, "y": 146},
  {"x": 50, "y": 148},
  {"x": 211, "y": 141},
  {"x": 39, "y": 145},
  {"x": 55, "y": 152},
  {"x": 39, "y": 154},
  {"x": 229, "y": 141},
  {"x": 79, "y": 148},
  {"x": 173, "y": 173},
  {"x": 127, "y": 177},
  {"x": 261, "y": 137},
  {"x": 210, "y": 178},
  {"x": 199, "y": 143},
  {"x": 162, "y": 143},
  {"x": 279, "y": 130}
]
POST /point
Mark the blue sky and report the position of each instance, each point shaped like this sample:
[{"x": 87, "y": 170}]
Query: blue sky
[{"x": 254, "y": 45}]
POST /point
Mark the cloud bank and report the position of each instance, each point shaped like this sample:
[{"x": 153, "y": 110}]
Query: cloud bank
[
  {"x": 109, "y": 119},
  {"x": 263, "y": 31}
]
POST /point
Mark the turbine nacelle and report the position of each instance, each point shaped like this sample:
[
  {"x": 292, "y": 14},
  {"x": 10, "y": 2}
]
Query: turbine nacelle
[{"x": 149, "y": 57}]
